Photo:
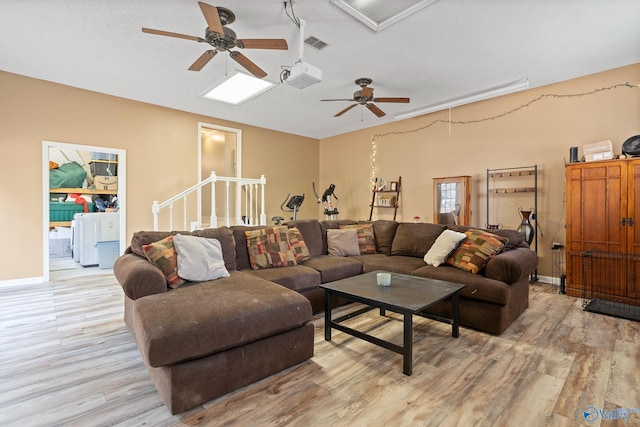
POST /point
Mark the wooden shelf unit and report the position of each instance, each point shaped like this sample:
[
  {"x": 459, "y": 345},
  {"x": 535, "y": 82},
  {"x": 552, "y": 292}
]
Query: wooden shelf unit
[
  {"x": 53, "y": 224},
  {"x": 394, "y": 204},
  {"x": 80, "y": 191}
]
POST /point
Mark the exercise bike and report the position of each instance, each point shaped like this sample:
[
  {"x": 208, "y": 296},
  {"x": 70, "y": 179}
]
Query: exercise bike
[
  {"x": 292, "y": 207},
  {"x": 330, "y": 210}
]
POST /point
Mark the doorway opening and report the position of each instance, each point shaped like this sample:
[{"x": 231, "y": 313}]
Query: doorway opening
[
  {"x": 101, "y": 191},
  {"x": 220, "y": 151}
]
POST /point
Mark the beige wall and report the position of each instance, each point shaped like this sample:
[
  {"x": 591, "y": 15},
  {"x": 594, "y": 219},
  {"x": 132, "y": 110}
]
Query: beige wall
[
  {"x": 539, "y": 134},
  {"x": 161, "y": 146},
  {"x": 162, "y": 157}
]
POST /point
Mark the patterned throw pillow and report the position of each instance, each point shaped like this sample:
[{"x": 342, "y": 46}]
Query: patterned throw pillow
[
  {"x": 476, "y": 250},
  {"x": 269, "y": 247},
  {"x": 444, "y": 246},
  {"x": 366, "y": 238},
  {"x": 298, "y": 246},
  {"x": 162, "y": 254}
]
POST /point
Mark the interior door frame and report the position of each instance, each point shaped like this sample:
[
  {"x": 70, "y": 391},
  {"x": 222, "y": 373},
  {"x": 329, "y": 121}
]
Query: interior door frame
[
  {"x": 238, "y": 160},
  {"x": 122, "y": 192}
]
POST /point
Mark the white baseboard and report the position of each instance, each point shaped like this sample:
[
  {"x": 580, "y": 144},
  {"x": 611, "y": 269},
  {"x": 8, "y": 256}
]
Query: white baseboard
[
  {"x": 547, "y": 279},
  {"x": 25, "y": 281}
]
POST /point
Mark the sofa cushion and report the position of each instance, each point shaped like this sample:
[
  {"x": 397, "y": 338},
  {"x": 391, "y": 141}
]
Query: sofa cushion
[
  {"x": 269, "y": 247},
  {"x": 242, "y": 253},
  {"x": 298, "y": 278},
  {"x": 396, "y": 264},
  {"x": 199, "y": 258},
  {"x": 366, "y": 238},
  {"x": 142, "y": 238},
  {"x": 476, "y": 250},
  {"x": 332, "y": 224},
  {"x": 298, "y": 245},
  {"x": 333, "y": 268},
  {"x": 342, "y": 242},
  {"x": 443, "y": 246},
  {"x": 384, "y": 230},
  {"x": 311, "y": 232},
  {"x": 415, "y": 239},
  {"x": 476, "y": 287},
  {"x": 162, "y": 254},
  {"x": 225, "y": 236},
  {"x": 215, "y": 316}
]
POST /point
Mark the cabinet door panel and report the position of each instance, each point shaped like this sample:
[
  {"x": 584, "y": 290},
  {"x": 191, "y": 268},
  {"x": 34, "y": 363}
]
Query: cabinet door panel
[
  {"x": 633, "y": 232},
  {"x": 594, "y": 212}
]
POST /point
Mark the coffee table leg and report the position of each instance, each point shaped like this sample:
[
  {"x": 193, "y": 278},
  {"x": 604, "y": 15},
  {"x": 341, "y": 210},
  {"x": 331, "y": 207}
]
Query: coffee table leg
[
  {"x": 455, "y": 309},
  {"x": 327, "y": 315},
  {"x": 407, "y": 362}
]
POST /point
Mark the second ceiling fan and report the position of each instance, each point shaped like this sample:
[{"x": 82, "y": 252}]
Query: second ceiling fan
[
  {"x": 364, "y": 96},
  {"x": 223, "y": 38}
]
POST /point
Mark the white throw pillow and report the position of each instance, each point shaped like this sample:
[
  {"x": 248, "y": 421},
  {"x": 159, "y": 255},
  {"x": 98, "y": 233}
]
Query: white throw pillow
[
  {"x": 199, "y": 258},
  {"x": 343, "y": 242},
  {"x": 446, "y": 243}
]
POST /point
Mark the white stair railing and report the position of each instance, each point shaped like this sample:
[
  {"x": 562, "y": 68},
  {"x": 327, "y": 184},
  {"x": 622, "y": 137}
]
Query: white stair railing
[{"x": 251, "y": 207}]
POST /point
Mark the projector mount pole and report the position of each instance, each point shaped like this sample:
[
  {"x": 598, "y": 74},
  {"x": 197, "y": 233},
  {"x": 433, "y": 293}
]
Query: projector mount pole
[{"x": 301, "y": 42}]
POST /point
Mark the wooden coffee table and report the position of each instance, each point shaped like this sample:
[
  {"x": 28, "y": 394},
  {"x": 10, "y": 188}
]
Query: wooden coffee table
[{"x": 407, "y": 295}]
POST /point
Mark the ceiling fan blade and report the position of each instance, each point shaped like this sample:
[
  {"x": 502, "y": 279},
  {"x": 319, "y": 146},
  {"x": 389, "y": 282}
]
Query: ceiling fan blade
[
  {"x": 375, "y": 110},
  {"x": 279, "y": 44},
  {"x": 246, "y": 63},
  {"x": 344, "y": 99},
  {"x": 345, "y": 110},
  {"x": 203, "y": 60},
  {"x": 212, "y": 17},
  {"x": 366, "y": 92},
  {"x": 170, "y": 34},
  {"x": 403, "y": 100}
]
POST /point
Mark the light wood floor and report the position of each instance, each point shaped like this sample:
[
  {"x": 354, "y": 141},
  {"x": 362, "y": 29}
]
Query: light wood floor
[{"x": 66, "y": 358}]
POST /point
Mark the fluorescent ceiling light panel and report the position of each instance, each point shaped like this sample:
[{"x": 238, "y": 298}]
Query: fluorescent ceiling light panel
[
  {"x": 491, "y": 93},
  {"x": 380, "y": 14},
  {"x": 237, "y": 88}
]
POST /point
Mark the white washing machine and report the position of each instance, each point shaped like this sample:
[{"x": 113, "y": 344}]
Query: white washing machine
[{"x": 87, "y": 229}]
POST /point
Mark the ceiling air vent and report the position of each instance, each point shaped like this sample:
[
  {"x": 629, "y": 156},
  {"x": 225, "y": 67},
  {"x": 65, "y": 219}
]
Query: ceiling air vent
[{"x": 315, "y": 42}]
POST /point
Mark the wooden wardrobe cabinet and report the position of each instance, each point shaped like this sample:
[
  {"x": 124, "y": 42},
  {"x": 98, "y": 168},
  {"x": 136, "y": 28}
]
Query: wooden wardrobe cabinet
[{"x": 603, "y": 235}]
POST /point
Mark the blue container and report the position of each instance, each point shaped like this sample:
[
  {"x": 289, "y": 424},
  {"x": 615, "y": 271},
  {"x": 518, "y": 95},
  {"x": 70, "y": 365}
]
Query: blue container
[{"x": 108, "y": 252}]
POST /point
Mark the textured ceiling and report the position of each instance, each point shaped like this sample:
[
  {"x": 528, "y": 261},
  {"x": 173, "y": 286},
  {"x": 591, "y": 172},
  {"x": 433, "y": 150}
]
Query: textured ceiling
[{"x": 446, "y": 50}]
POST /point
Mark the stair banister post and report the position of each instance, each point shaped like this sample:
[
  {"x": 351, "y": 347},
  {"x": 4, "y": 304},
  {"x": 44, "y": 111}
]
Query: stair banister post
[
  {"x": 155, "y": 208},
  {"x": 263, "y": 215},
  {"x": 171, "y": 216},
  {"x": 226, "y": 210},
  {"x": 213, "y": 220}
]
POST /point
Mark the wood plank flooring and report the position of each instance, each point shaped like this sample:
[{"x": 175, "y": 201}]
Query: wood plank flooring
[{"x": 66, "y": 358}]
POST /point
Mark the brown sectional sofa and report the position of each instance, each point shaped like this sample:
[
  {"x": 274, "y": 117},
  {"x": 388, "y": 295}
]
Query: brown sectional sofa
[{"x": 206, "y": 339}]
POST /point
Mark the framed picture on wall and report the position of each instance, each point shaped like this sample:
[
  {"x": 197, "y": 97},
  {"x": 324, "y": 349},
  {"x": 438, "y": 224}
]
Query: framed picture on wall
[{"x": 393, "y": 186}]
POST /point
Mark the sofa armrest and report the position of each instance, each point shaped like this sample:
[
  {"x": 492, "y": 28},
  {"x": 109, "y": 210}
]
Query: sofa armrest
[
  {"x": 511, "y": 266},
  {"x": 138, "y": 277}
]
